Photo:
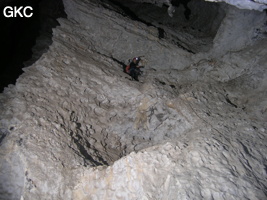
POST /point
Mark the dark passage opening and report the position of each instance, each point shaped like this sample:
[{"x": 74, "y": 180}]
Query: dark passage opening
[
  {"x": 19, "y": 35},
  {"x": 187, "y": 11},
  {"x": 191, "y": 27}
]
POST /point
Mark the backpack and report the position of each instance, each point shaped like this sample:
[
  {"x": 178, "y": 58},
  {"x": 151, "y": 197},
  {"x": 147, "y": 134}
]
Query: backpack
[{"x": 127, "y": 69}]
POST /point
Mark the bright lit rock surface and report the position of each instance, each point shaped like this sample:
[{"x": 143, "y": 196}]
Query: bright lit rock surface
[
  {"x": 242, "y": 4},
  {"x": 246, "y": 4}
]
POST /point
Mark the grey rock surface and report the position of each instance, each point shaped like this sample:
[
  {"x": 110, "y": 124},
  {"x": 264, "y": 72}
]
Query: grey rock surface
[
  {"x": 76, "y": 127},
  {"x": 246, "y": 4},
  {"x": 241, "y": 4}
]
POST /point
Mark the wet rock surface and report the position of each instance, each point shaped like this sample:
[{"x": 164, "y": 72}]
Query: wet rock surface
[{"x": 76, "y": 127}]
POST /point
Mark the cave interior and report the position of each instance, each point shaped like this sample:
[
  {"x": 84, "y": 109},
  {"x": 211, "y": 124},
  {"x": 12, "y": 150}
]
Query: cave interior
[{"x": 204, "y": 87}]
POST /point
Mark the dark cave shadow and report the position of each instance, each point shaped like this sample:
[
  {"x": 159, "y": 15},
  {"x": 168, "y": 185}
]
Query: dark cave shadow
[
  {"x": 187, "y": 11},
  {"x": 19, "y": 35}
]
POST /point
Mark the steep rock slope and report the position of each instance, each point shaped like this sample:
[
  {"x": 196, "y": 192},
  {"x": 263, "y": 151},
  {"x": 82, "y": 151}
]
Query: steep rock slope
[{"x": 76, "y": 127}]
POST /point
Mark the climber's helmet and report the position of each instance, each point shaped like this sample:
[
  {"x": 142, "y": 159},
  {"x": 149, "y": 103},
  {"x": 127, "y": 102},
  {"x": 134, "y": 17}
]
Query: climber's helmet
[{"x": 136, "y": 59}]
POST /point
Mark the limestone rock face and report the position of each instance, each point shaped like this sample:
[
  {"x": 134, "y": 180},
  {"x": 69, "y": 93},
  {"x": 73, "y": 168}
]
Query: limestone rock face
[
  {"x": 76, "y": 127},
  {"x": 241, "y": 4},
  {"x": 246, "y": 4}
]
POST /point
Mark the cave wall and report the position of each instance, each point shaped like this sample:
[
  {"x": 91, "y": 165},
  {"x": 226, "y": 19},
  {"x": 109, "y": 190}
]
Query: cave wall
[
  {"x": 240, "y": 28},
  {"x": 192, "y": 26},
  {"x": 245, "y": 4},
  {"x": 230, "y": 34},
  {"x": 241, "y": 4},
  {"x": 69, "y": 125},
  {"x": 123, "y": 38}
]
